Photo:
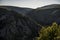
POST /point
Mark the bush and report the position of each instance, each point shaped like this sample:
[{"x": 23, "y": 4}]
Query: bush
[{"x": 50, "y": 32}]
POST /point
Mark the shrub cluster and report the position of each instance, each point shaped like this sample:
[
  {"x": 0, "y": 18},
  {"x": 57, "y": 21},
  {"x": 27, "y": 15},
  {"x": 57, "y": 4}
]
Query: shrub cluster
[{"x": 50, "y": 32}]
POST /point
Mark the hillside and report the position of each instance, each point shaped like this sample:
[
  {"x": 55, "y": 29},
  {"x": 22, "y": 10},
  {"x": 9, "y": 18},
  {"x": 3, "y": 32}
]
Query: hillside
[
  {"x": 50, "y": 6},
  {"x": 17, "y": 23},
  {"x": 20, "y": 10},
  {"x": 46, "y": 15},
  {"x": 15, "y": 26}
]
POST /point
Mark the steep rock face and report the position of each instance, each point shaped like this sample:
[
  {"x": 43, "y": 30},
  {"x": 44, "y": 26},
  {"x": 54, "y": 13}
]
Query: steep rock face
[
  {"x": 14, "y": 26},
  {"x": 46, "y": 15},
  {"x": 20, "y": 10}
]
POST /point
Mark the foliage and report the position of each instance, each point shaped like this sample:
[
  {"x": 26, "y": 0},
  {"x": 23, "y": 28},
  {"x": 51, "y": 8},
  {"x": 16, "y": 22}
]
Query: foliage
[{"x": 50, "y": 32}]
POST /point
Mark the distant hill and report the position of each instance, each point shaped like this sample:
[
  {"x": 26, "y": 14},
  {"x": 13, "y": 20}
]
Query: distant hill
[
  {"x": 47, "y": 14},
  {"x": 50, "y": 6},
  {"x": 15, "y": 26},
  {"x": 18, "y": 9}
]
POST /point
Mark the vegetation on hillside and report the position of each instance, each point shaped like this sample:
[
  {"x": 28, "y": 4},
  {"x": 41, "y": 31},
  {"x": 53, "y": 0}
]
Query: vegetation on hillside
[
  {"x": 15, "y": 26},
  {"x": 50, "y": 32}
]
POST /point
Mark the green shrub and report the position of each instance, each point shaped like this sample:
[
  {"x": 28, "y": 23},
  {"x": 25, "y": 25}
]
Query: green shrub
[{"x": 50, "y": 32}]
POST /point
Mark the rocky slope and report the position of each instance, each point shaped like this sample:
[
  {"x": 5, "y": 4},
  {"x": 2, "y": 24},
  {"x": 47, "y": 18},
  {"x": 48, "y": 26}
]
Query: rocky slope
[
  {"x": 47, "y": 14},
  {"x": 15, "y": 26}
]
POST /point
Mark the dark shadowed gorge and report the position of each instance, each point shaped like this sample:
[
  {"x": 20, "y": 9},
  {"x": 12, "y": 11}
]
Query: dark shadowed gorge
[
  {"x": 18, "y": 23},
  {"x": 14, "y": 26}
]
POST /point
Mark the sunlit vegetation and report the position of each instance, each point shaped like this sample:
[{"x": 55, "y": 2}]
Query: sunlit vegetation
[{"x": 50, "y": 32}]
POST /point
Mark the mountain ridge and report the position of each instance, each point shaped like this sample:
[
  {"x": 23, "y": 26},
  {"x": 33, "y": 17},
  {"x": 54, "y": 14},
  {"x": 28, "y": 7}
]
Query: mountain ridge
[
  {"x": 25, "y": 23},
  {"x": 46, "y": 15},
  {"x": 49, "y": 6},
  {"x": 17, "y": 9}
]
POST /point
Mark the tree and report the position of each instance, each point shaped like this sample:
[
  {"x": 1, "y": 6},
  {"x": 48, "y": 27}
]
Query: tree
[{"x": 50, "y": 32}]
